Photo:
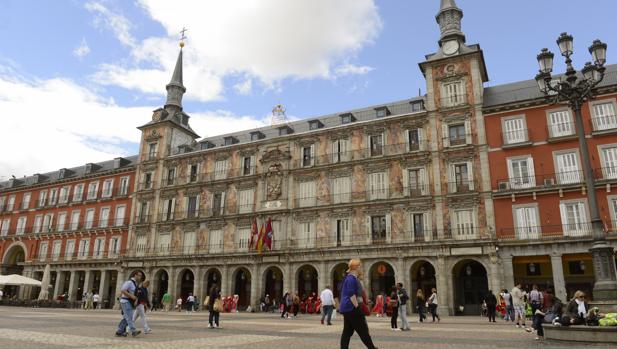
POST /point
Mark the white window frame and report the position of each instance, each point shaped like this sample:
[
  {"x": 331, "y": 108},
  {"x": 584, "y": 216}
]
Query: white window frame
[
  {"x": 75, "y": 216},
  {"x": 408, "y": 144},
  {"x": 4, "y": 230},
  {"x": 78, "y": 192},
  {"x": 108, "y": 188},
  {"x": 141, "y": 245},
  {"x": 98, "y": 250},
  {"x": 43, "y": 249},
  {"x": 378, "y": 185},
  {"x": 53, "y": 196},
  {"x": 221, "y": 168},
  {"x": 84, "y": 248},
  {"x": 124, "y": 186},
  {"x": 163, "y": 243},
  {"x": 89, "y": 221},
  {"x": 48, "y": 222},
  {"x": 10, "y": 206},
  {"x": 307, "y": 193},
  {"x": 453, "y": 94},
  {"x": 21, "y": 225},
  {"x": 104, "y": 221},
  {"x": 243, "y": 237},
  {"x": 608, "y": 156},
  {"x": 464, "y": 229},
  {"x": 580, "y": 226},
  {"x": 452, "y": 177},
  {"x": 567, "y": 175},
  {"x": 526, "y": 221},
  {"x": 560, "y": 123},
  {"x": 215, "y": 241},
  {"x": 602, "y": 117},
  {"x": 61, "y": 223},
  {"x": 517, "y": 181},
  {"x": 371, "y": 146},
  {"x": 42, "y": 198},
  {"x": 307, "y": 234},
  {"x": 516, "y": 135},
  {"x": 252, "y": 165},
  {"x": 69, "y": 250},
  {"x": 38, "y": 224},
  {"x": 246, "y": 198},
  {"x": 119, "y": 221},
  {"x": 341, "y": 190},
  {"x": 311, "y": 160},
  {"x": 422, "y": 179},
  {"x": 426, "y": 233},
  {"x": 168, "y": 210},
  {"x": 93, "y": 190},
  {"x": 64, "y": 194},
  {"x": 345, "y": 230},
  {"x": 25, "y": 202},
  {"x": 189, "y": 241},
  {"x": 114, "y": 246},
  {"x": 341, "y": 150},
  {"x": 56, "y": 250}
]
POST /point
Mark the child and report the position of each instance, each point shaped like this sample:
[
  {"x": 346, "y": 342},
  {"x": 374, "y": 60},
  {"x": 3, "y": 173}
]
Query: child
[{"x": 538, "y": 320}]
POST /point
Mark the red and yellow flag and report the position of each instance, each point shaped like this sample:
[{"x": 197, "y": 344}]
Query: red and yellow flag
[{"x": 260, "y": 238}]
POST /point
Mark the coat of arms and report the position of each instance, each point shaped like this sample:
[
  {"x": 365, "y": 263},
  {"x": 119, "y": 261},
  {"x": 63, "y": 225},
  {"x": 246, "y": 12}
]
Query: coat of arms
[{"x": 274, "y": 182}]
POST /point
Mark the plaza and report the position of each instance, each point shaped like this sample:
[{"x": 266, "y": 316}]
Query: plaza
[{"x": 27, "y": 328}]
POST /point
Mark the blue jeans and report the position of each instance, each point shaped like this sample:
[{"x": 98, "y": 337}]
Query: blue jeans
[
  {"x": 127, "y": 318},
  {"x": 326, "y": 311},
  {"x": 509, "y": 313}
]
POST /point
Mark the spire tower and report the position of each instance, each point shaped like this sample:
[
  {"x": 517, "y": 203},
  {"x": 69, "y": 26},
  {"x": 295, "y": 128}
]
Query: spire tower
[
  {"x": 449, "y": 20},
  {"x": 175, "y": 88}
]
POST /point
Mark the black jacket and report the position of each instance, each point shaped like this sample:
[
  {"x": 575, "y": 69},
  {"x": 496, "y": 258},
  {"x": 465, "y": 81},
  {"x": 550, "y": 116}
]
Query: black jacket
[
  {"x": 214, "y": 295},
  {"x": 572, "y": 309},
  {"x": 142, "y": 296},
  {"x": 490, "y": 300}
]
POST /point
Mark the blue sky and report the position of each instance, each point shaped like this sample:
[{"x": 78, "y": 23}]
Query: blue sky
[{"x": 82, "y": 75}]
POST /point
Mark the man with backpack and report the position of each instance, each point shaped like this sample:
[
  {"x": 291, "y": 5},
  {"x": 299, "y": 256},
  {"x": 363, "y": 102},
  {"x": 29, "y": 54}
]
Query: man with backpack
[
  {"x": 403, "y": 297},
  {"x": 128, "y": 300}
]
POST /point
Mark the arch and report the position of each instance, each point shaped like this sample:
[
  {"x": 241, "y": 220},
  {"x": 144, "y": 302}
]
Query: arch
[
  {"x": 242, "y": 287},
  {"x": 423, "y": 277},
  {"x": 308, "y": 281},
  {"x": 160, "y": 284},
  {"x": 470, "y": 284},
  {"x": 382, "y": 278},
  {"x": 273, "y": 283},
  {"x": 13, "y": 263},
  {"x": 186, "y": 283},
  {"x": 212, "y": 277},
  {"x": 337, "y": 274}
]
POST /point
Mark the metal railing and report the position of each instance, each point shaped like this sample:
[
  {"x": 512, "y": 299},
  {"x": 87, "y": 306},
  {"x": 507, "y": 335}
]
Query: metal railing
[
  {"x": 602, "y": 123},
  {"x": 542, "y": 181},
  {"x": 544, "y": 232},
  {"x": 605, "y": 173},
  {"x": 81, "y": 226},
  {"x": 462, "y": 186},
  {"x": 453, "y": 101},
  {"x": 515, "y": 137},
  {"x": 562, "y": 129}
]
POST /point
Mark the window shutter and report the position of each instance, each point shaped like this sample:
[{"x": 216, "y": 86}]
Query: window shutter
[
  {"x": 335, "y": 154},
  {"x": 531, "y": 171},
  {"x": 388, "y": 228},
  {"x": 423, "y": 181},
  {"x": 345, "y": 155},
  {"x": 428, "y": 232},
  {"x": 368, "y": 229},
  {"x": 564, "y": 218},
  {"x": 406, "y": 136},
  {"x": 312, "y": 154},
  {"x": 406, "y": 188},
  {"x": 468, "y": 138},
  {"x": 384, "y": 144},
  {"x": 421, "y": 139},
  {"x": 197, "y": 206},
  {"x": 470, "y": 174},
  {"x": 445, "y": 135},
  {"x": 253, "y": 164},
  {"x": 333, "y": 224},
  {"x": 222, "y": 202},
  {"x": 165, "y": 209}
]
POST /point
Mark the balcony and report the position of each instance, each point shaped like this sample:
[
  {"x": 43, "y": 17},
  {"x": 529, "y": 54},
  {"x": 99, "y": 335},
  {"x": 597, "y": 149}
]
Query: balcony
[
  {"x": 548, "y": 232},
  {"x": 545, "y": 181},
  {"x": 560, "y": 131},
  {"x": 603, "y": 124},
  {"x": 605, "y": 173},
  {"x": 150, "y": 156},
  {"x": 517, "y": 138},
  {"x": 462, "y": 186},
  {"x": 454, "y": 101},
  {"x": 77, "y": 256},
  {"x": 80, "y": 226}
]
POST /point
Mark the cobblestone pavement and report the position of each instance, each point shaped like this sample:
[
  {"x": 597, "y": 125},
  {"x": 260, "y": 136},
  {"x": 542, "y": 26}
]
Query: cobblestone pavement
[{"x": 25, "y": 328}]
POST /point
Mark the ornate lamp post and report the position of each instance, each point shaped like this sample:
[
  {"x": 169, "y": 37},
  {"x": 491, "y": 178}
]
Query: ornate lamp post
[{"x": 575, "y": 90}]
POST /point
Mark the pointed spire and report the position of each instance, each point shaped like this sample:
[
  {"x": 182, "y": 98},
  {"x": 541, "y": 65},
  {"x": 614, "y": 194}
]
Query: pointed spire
[
  {"x": 175, "y": 88},
  {"x": 449, "y": 20}
]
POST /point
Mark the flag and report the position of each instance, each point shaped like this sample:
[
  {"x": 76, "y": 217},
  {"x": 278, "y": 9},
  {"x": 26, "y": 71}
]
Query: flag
[
  {"x": 254, "y": 232},
  {"x": 260, "y": 239},
  {"x": 267, "y": 239}
]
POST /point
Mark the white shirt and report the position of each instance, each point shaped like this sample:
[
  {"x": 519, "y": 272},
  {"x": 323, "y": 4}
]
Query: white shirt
[
  {"x": 95, "y": 298},
  {"x": 327, "y": 298},
  {"x": 190, "y": 299},
  {"x": 1, "y": 294},
  {"x": 179, "y": 301},
  {"x": 433, "y": 299}
]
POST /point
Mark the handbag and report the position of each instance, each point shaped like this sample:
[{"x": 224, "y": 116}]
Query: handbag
[{"x": 217, "y": 306}]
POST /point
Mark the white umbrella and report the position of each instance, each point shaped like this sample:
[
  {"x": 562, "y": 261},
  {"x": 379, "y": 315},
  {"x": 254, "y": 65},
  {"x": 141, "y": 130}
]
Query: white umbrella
[
  {"x": 18, "y": 280},
  {"x": 44, "y": 294}
]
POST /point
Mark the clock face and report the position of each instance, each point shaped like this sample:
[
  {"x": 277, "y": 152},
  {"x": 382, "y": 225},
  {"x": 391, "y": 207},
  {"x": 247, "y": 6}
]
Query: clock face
[{"x": 450, "y": 47}]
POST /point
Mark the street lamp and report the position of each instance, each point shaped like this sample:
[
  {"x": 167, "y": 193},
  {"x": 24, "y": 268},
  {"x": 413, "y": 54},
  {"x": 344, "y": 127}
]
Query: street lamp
[{"x": 575, "y": 90}]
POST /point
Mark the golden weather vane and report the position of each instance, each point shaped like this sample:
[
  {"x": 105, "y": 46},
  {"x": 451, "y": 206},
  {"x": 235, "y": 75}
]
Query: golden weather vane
[{"x": 182, "y": 36}]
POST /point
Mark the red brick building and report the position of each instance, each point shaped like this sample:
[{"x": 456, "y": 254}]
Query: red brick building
[{"x": 75, "y": 220}]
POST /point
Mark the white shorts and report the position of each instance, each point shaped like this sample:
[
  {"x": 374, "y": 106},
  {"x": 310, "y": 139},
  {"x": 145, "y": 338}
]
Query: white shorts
[{"x": 519, "y": 311}]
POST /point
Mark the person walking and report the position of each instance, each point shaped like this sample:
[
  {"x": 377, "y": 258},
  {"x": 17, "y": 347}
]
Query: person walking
[
  {"x": 166, "y": 301},
  {"x": 327, "y": 305},
  {"x": 214, "y": 305},
  {"x": 535, "y": 300},
  {"x": 95, "y": 300},
  {"x": 507, "y": 298},
  {"x": 287, "y": 303},
  {"x": 190, "y": 303},
  {"x": 420, "y": 300},
  {"x": 394, "y": 305},
  {"x": 403, "y": 297},
  {"x": 518, "y": 302},
  {"x": 89, "y": 300},
  {"x": 179, "y": 304},
  {"x": 143, "y": 303},
  {"x": 491, "y": 305},
  {"x": 350, "y": 307},
  {"x": 296, "y": 304},
  {"x": 433, "y": 303},
  {"x": 127, "y": 301}
]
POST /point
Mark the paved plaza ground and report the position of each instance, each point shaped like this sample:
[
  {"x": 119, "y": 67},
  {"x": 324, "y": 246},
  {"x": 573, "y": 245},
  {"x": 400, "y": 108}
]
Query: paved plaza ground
[{"x": 25, "y": 328}]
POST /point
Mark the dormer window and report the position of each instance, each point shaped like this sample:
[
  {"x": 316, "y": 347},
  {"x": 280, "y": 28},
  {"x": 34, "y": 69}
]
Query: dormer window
[
  {"x": 285, "y": 130},
  {"x": 315, "y": 124},
  {"x": 230, "y": 140},
  {"x": 347, "y": 118},
  {"x": 257, "y": 135},
  {"x": 207, "y": 145},
  {"x": 417, "y": 106},
  {"x": 381, "y": 112}
]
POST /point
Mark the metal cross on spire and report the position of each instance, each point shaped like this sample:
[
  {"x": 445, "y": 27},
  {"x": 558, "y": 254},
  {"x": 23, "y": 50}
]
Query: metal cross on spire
[{"x": 182, "y": 36}]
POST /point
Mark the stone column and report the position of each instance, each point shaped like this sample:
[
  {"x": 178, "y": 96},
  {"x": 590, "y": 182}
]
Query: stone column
[
  {"x": 73, "y": 285},
  {"x": 558, "y": 279},
  {"x": 287, "y": 278},
  {"x": 88, "y": 279},
  {"x": 103, "y": 285},
  {"x": 323, "y": 277},
  {"x": 59, "y": 284},
  {"x": 444, "y": 286},
  {"x": 495, "y": 282},
  {"x": 225, "y": 281},
  {"x": 508, "y": 272},
  {"x": 255, "y": 286},
  {"x": 120, "y": 280},
  {"x": 198, "y": 285}
]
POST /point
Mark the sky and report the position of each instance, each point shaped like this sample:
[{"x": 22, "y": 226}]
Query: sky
[{"x": 78, "y": 77}]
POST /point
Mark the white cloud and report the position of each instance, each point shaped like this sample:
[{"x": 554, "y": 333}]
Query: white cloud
[
  {"x": 350, "y": 69},
  {"x": 245, "y": 87},
  {"x": 264, "y": 40},
  {"x": 55, "y": 123},
  {"x": 82, "y": 50}
]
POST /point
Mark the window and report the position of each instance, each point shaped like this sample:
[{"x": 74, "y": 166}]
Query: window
[
  {"x": 242, "y": 239},
  {"x": 376, "y": 145},
  {"x": 347, "y": 118},
  {"x": 220, "y": 169},
  {"x": 417, "y": 106},
  {"x": 75, "y": 220},
  {"x": 314, "y": 125},
  {"x": 25, "y": 202},
  {"x": 144, "y": 211},
  {"x": 340, "y": 150},
  {"x": 99, "y": 248},
  {"x": 188, "y": 245},
  {"x": 216, "y": 241},
  {"x": 4, "y": 229},
  {"x": 42, "y": 197},
  {"x": 306, "y": 237},
  {"x": 248, "y": 165},
  {"x": 78, "y": 193},
  {"x": 114, "y": 246},
  {"x": 53, "y": 196},
  {"x": 61, "y": 225},
  {"x": 604, "y": 117},
  {"x": 567, "y": 168},
  {"x": 560, "y": 124},
  {"x": 2, "y": 200},
  {"x": 104, "y": 217},
  {"x": 379, "y": 228},
  {"x": 142, "y": 245},
  {"x": 381, "y": 112},
  {"x": 461, "y": 178},
  {"x": 308, "y": 156},
  {"x": 609, "y": 162},
  {"x": 64, "y": 195},
  {"x": 246, "y": 199},
  {"x": 11, "y": 203},
  {"x": 255, "y": 136},
  {"x": 306, "y": 194},
  {"x": 342, "y": 231},
  {"x": 378, "y": 186},
  {"x": 93, "y": 190},
  {"x": 229, "y": 141},
  {"x": 218, "y": 204},
  {"x": 341, "y": 190},
  {"x": 193, "y": 173},
  {"x": 420, "y": 227},
  {"x": 119, "y": 219},
  {"x": 457, "y": 134},
  {"x": 192, "y": 206},
  {"x": 285, "y": 131},
  {"x": 124, "y": 186},
  {"x": 151, "y": 151},
  {"x": 574, "y": 218},
  {"x": 108, "y": 185},
  {"x": 38, "y": 224},
  {"x": 414, "y": 182},
  {"x": 43, "y": 251},
  {"x": 89, "y": 218},
  {"x": 521, "y": 173},
  {"x": 413, "y": 139},
  {"x": 69, "y": 250},
  {"x": 526, "y": 222},
  {"x": 169, "y": 207},
  {"x": 514, "y": 130},
  {"x": 83, "y": 251},
  {"x": 21, "y": 225},
  {"x": 453, "y": 94},
  {"x": 55, "y": 251},
  {"x": 47, "y": 222},
  {"x": 463, "y": 224},
  {"x": 147, "y": 180}
]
